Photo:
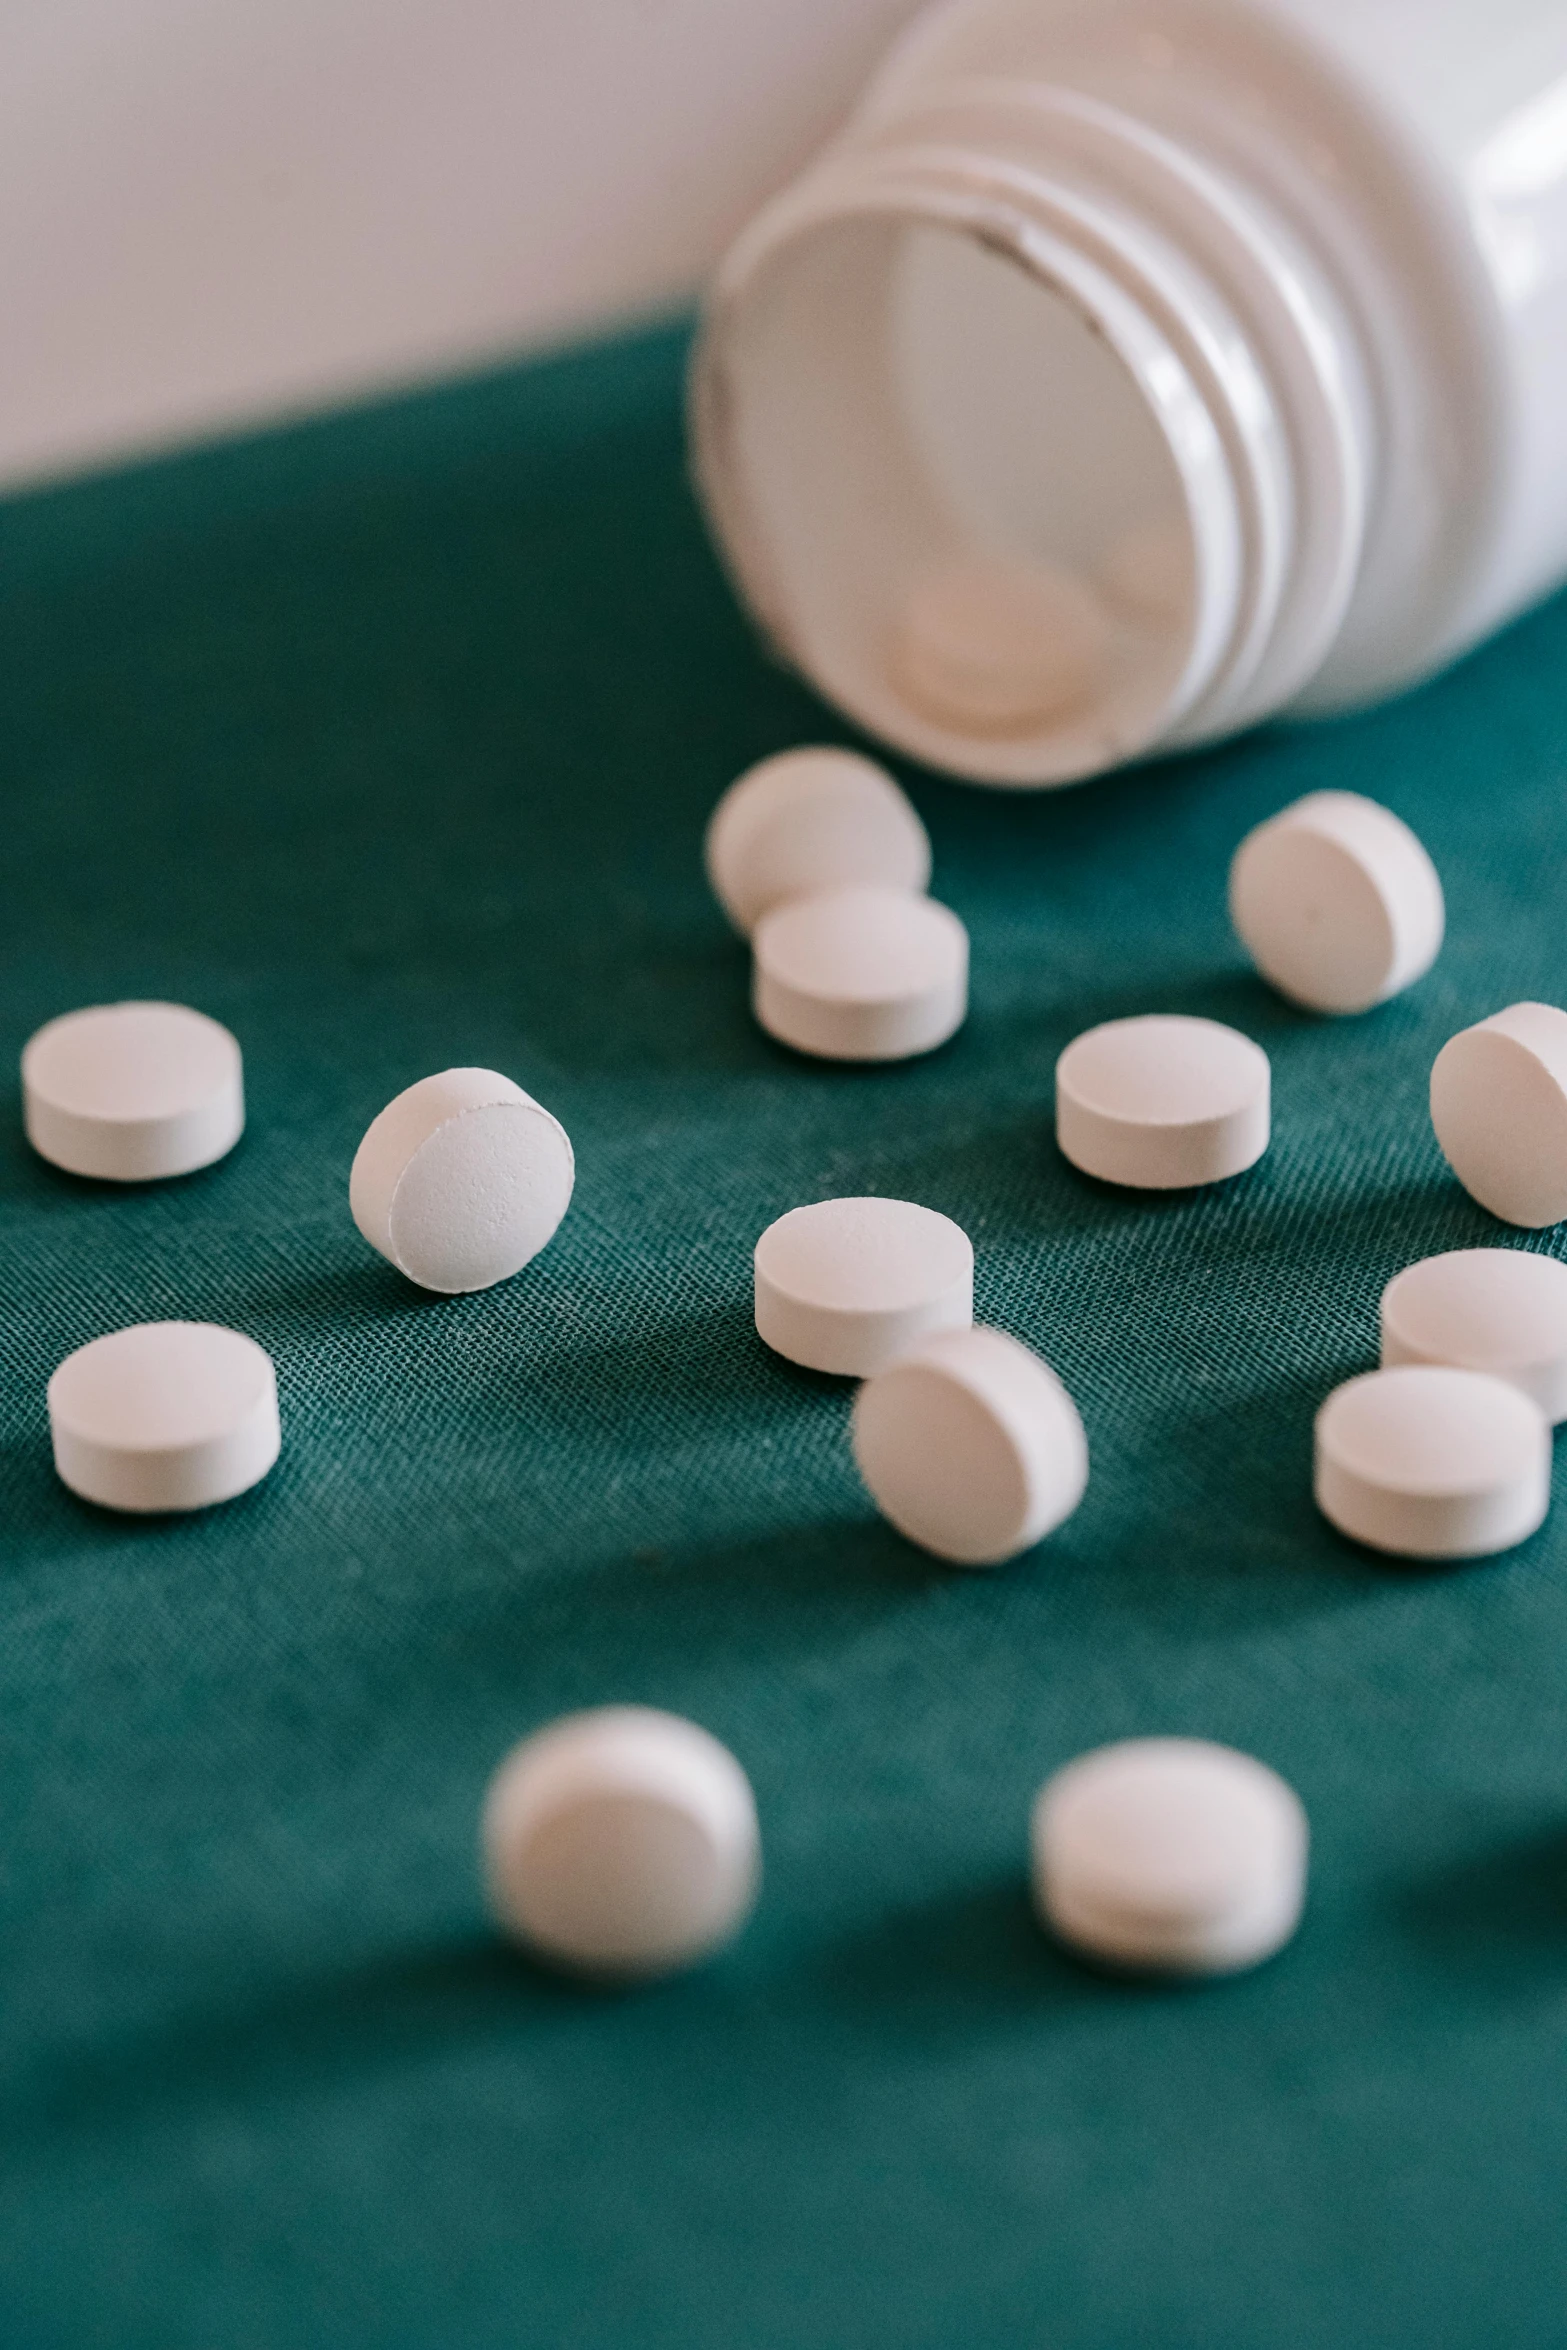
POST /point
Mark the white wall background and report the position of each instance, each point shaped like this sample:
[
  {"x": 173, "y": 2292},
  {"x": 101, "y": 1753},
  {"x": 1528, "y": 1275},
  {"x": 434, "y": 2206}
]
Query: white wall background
[{"x": 215, "y": 211}]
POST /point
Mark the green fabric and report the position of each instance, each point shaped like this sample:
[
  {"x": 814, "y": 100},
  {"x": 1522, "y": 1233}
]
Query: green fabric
[{"x": 389, "y": 741}]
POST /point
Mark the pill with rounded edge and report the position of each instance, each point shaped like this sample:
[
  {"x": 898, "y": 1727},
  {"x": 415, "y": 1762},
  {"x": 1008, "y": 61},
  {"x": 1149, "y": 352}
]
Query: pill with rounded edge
[
  {"x": 970, "y": 1446},
  {"x": 808, "y": 820},
  {"x": 1502, "y": 1310},
  {"x": 863, "y": 974},
  {"x": 1162, "y": 1101},
  {"x": 164, "y": 1416},
  {"x": 1499, "y": 1107},
  {"x": 1169, "y": 1855},
  {"x": 1337, "y": 902},
  {"x": 461, "y": 1180},
  {"x": 1424, "y": 1461},
  {"x": 847, "y": 1285},
  {"x": 132, "y": 1092},
  {"x": 621, "y": 1841}
]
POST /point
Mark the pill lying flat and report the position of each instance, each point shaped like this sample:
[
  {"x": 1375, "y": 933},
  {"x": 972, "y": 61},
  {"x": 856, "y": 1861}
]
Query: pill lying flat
[
  {"x": 621, "y": 1841},
  {"x": 1428, "y": 1462},
  {"x": 132, "y": 1092},
  {"x": 1502, "y": 1310},
  {"x": 1162, "y": 1101},
  {"x": 970, "y": 1446},
  {"x": 1170, "y": 1855},
  {"x": 461, "y": 1180},
  {"x": 847, "y": 1285},
  {"x": 1337, "y": 902},
  {"x": 992, "y": 645},
  {"x": 810, "y": 820},
  {"x": 164, "y": 1416},
  {"x": 1499, "y": 1107},
  {"x": 863, "y": 974}
]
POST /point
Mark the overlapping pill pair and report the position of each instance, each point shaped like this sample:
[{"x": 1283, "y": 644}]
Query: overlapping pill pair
[{"x": 623, "y": 1843}]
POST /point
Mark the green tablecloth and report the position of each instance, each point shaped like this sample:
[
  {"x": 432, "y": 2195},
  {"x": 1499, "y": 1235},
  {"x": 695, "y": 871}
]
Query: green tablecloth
[{"x": 389, "y": 741}]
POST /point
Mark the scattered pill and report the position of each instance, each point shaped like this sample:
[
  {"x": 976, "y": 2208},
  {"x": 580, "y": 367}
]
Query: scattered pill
[
  {"x": 810, "y": 820},
  {"x": 1162, "y": 1101},
  {"x": 1499, "y": 1106},
  {"x": 863, "y": 974},
  {"x": 994, "y": 646},
  {"x": 131, "y": 1092},
  {"x": 1147, "y": 572},
  {"x": 970, "y": 1446},
  {"x": 1502, "y": 1310},
  {"x": 621, "y": 1841},
  {"x": 164, "y": 1416},
  {"x": 1337, "y": 902},
  {"x": 461, "y": 1180},
  {"x": 849, "y": 1284},
  {"x": 1170, "y": 1855},
  {"x": 1424, "y": 1461}
]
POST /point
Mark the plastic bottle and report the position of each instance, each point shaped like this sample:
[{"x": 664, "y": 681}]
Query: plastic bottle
[{"x": 1129, "y": 370}]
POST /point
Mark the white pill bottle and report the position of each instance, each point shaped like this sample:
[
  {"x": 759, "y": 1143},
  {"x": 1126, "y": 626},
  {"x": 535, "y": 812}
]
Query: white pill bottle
[{"x": 1130, "y": 370}]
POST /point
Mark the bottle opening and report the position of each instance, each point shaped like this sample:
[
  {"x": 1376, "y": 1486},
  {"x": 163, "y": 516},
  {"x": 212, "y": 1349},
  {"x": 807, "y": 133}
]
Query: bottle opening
[{"x": 980, "y": 505}]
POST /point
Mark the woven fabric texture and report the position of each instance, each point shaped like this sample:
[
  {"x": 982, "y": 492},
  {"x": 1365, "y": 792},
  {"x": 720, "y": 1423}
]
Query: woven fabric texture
[{"x": 389, "y": 741}]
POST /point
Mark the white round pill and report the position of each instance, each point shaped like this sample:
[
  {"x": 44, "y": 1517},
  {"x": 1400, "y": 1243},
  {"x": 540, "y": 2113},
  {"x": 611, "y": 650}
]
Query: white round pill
[
  {"x": 1502, "y": 1310},
  {"x": 1499, "y": 1106},
  {"x": 1337, "y": 902},
  {"x": 971, "y": 1446},
  {"x": 864, "y": 974},
  {"x": 1427, "y": 1462},
  {"x": 461, "y": 1180},
  {"x": 1162, "y": 1101},
  {"x": 1170, "y": 1855},
  {"x": 810, "y": 820},
  {"x": 849, "y": 1284},
  {"x": 131, "y": 1092},
  {"x": 621, "y": 1841},
  {"x": 995, "y": 645},
  {"x": 164, "y": 1416}
]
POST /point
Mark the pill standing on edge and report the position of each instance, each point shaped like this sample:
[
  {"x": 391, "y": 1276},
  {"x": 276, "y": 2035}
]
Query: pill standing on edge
[
  {"x": 996, "y": 645},
  {"x": 1162, "y": 1101},
  {"x": 1502, "y": 1310},
  {"x": 808, "y": 820},
  {"x": 970, "y": 1446},
  {"x": 1499, "y": 1107},
  {"x": 164, "y": 1416},
  {"x": 1337, "y": 902},
  {"x": 132, "y": 1092},
  {"x": 863, "y": 974},
  {"x": 846, "y": 1285},
  {"x": 621, "y": 1842},
  {"x": 461, "y": 1180},
  {"x": 1169, "y": 1855},
  {"x": 1423, "y": 1461}
]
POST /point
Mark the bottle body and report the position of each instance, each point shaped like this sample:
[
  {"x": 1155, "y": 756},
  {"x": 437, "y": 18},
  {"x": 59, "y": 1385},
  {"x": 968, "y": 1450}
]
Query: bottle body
[{"x": 1129, "y": 370}]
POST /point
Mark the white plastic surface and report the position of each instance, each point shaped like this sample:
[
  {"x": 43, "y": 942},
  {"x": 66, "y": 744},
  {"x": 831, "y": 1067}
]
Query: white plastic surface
[
  {"x": 164, "y": 1416},
  {"x": 847, "y": 1285},
  {"x": 1314, "y": 252},
  {"x": 865, "y": 974},
  {"x": 1502, "y": 1310},
  {"x": 132, "y": 1092},
  {"x": 971, "y": 1447},
  {"x": 809, "y": 820},
  {"x": 996, "y": 646},
  {"x": 1162, "y": 1101},
  {"x": 1431, "y": 1462},
  {"x": 461, "y": 1180},
  {"x": 621, "y": 1842},
  {"x": 1170, "y": 1855},
  {"x": 1337, "y": 902},
  {"x": 1499, "y": 1106}
]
